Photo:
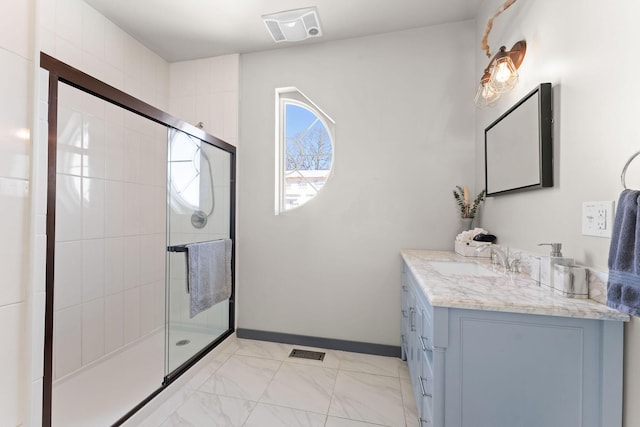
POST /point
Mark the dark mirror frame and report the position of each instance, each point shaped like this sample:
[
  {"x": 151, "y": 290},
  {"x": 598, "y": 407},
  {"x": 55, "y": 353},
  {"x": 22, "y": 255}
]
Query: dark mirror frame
[{"x": 545, "y": 144}]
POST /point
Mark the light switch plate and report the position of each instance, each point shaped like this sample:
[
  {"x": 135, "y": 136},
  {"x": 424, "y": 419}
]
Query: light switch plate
[{"x": 597, "y": 218}]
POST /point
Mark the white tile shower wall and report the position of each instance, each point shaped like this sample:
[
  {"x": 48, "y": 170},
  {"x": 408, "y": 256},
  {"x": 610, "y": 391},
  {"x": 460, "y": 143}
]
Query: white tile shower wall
[
  {"x": 14, "y": 172},
  {"x": 109, "y": 272},
  {"x": 11, "y": 386},
  {"x": 15, "y": 23},
  {"x": 114, "y": 322},
  {"x": 93, "y": 330},
  {"x": 67, "y": 350},
  {"x": 73, "y": 32},
  {"x": 33, "y": 395},
  {"x": 207, "y": 91},
  {"x": 16, "y": 62}
]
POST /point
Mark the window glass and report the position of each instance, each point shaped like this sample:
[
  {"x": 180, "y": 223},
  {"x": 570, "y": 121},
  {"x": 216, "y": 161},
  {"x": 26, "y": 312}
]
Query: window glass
[{"x": 306, "y": 152}]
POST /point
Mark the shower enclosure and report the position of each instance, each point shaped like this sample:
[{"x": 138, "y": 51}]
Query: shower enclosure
[
  {"x": 198, "y": 211},
  {"x": 127, "y": 184}
]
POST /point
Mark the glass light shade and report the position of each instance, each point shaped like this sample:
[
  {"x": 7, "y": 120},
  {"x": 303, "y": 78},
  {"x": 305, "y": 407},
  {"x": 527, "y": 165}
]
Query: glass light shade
[
  {"x": 294, "y": 30},
  {"x": 504, "y": 75},
  {"x": 485, "y": 96}
]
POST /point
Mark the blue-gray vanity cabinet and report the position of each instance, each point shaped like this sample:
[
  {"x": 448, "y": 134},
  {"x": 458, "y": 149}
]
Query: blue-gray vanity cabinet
[
  {"x": 481, "y": 368},
  {"x": 417, "y": 348}
]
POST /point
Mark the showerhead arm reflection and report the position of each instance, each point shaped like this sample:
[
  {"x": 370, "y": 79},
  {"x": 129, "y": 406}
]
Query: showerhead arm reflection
[{"x": 199, "y": 218}]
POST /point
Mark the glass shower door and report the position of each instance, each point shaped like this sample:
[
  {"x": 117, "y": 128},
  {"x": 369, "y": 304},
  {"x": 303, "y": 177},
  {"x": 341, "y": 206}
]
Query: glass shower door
[
  {"x": 117, "y": 323},
  {"x": 198, "y": 210},
  {"x": 108, "y": 311}
]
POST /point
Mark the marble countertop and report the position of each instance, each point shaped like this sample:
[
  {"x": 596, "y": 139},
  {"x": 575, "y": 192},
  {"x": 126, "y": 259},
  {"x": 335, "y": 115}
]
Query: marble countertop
[{"x": 511, "y": 292}]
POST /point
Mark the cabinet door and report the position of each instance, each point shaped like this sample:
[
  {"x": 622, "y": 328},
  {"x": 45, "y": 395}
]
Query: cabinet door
[
  {"x": 424, "y": 383},
  {"x": 425, "y": 405},
  {"x": 508, "y": 369},
  {"x": 411, "y": 333},
  {"x": 418, "y": 346},
  {"x": 405, "y": 316},
  {"x": 417, "y": 374},
  {"x": 426, "y": 338}
]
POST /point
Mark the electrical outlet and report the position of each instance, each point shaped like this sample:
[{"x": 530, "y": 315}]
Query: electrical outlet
[{"x": 597, "y": 218}]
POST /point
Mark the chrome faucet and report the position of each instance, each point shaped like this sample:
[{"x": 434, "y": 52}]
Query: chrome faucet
[{"x": 511, "y": 266}]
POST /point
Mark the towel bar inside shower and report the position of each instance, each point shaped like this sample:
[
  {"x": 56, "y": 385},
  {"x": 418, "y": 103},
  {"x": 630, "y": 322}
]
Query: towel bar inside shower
[{"x": 183, "y": 248}]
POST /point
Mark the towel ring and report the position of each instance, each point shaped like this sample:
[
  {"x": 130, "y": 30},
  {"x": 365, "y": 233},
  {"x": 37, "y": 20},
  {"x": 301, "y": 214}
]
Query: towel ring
[{"x": 624, "y": 169}]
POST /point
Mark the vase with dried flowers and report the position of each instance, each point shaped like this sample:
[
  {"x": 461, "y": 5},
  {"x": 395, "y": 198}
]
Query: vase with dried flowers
[{"x": 467, "y": 210}]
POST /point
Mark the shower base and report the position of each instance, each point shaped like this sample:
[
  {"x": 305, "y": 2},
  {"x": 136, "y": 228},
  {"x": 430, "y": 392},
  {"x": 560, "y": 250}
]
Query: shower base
[{"x": 101, "y": 393}]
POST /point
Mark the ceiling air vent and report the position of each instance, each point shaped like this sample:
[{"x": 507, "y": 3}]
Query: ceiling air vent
[
  {"x": 274, "y": 30},
  {"x": 293, "y": 25}
]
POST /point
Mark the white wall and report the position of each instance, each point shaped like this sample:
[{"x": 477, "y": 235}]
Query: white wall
[
  {"x": 576, "y": 46},
  {"x": 404, "y": 138}
]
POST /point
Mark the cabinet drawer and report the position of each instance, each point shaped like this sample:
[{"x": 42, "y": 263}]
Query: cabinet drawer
[
  {"x": 407, "y": 304},
  {"x": 424, "y": 385},
  {"x": 425, "y": 411},
  {"x": 405, "y": 348},
  {"x": 425, "y": 343},
  {"x": 426, "y": 328},
  {"x": 405, "y": 320}
]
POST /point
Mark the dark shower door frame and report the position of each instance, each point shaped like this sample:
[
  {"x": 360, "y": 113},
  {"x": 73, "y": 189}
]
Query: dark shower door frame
[{"x": 61, "y": 72}]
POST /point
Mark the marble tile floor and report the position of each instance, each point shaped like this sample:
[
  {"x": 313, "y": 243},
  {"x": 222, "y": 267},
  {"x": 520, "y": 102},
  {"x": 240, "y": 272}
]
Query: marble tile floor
[{"x": 255, "y": 384}]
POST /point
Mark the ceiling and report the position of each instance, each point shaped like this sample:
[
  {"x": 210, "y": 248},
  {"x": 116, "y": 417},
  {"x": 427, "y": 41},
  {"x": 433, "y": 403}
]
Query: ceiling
[{"x": 179, "y": 30}]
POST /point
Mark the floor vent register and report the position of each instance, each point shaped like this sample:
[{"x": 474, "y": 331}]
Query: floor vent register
[{"x": 307, "y": 354}]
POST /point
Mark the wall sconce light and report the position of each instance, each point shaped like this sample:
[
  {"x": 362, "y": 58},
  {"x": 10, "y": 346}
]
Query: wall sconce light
[
  {"x": 501, "y": 75},
  {"x": 486, "y": 96}
]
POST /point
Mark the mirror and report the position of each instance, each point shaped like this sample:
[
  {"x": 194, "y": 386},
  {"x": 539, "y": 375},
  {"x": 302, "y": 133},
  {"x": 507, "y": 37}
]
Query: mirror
[{"x": 518, "y": 146}]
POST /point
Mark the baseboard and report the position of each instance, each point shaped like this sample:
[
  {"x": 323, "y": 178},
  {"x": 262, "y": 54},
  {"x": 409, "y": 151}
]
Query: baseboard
[{"x": 328, "y": 343}]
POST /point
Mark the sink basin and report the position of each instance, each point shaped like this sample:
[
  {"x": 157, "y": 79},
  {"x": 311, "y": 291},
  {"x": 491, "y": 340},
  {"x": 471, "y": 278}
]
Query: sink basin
[{"x": 452, "y": 268}]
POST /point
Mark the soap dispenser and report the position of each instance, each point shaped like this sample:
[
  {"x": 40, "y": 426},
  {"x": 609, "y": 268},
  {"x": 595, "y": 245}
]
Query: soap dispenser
[{"x": 547, "y": 263}]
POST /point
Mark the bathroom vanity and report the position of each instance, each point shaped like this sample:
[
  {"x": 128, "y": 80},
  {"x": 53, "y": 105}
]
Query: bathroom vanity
[{"x": 489, "y": 349}]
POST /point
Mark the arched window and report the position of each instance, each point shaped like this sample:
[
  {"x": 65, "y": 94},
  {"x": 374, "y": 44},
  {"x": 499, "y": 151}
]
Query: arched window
[{"x": 305, "y": 147}]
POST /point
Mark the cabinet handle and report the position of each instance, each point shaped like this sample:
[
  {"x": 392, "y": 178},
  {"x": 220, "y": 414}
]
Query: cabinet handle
[
  {"x": 422, "y": 421},
  {"x": 404, "y": 288},
  {"x": 424, "y": 392},
  {"x": 412, "y": 324},
  {"x": 404, "y": 313},
  {"x": 424, "y": 347}
]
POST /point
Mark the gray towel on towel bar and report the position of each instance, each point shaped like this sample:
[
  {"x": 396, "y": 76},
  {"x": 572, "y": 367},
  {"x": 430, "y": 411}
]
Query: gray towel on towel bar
[
  {"x": 208, "y": 274},
  {"x": 623, "y": 286}
]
